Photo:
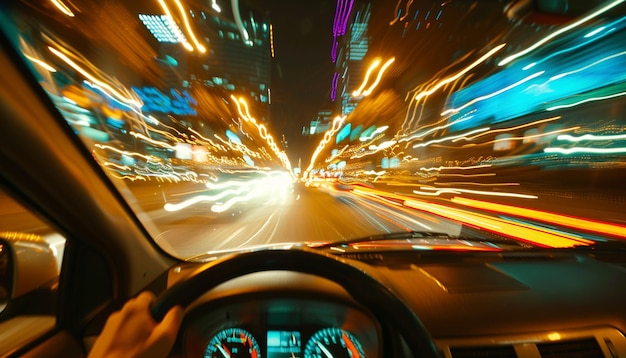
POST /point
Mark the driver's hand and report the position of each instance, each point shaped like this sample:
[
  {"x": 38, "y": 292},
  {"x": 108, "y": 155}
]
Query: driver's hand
[{"x": 132, "y": 332}]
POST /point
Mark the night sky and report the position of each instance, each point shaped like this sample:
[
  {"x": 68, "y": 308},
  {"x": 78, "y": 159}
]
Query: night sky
[{"x": 302, "y": 69}]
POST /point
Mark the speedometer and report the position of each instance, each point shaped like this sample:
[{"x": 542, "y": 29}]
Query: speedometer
[
  {"x": 333, "y": 342},
  {"x": 232, "y": 342}
]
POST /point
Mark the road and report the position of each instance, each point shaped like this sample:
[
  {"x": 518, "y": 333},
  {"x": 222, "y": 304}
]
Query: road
[{"x": 303, "y": 215}]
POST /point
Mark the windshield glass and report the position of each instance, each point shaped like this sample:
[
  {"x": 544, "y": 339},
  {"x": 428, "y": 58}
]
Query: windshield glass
[{"x": 226, "y": 125}]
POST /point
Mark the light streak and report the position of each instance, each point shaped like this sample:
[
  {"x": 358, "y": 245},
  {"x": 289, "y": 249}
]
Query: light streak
[
  {"x": 105, "y": 87},
  {"x": 233, "y": 191},
  {"x": 239, "y": 22},
  {"x": 380, "y": 75},
  {"x": 374, "y": 133},
  {"x": 383, "y": 145},
  {"x": 215, "y": 6},
  {"x": 434, "y": 129},
  {"x": 479, "y": 184},
  {"x": 482, "y": 192},
  {"x": 41, "y": 63},
  {"x": 183, "y": 13},
  {"x": 564, "y": 74},
  {"x": 62, "y": 7},
  {"x": 368, "y": 73},
  {"x": 585, "y": 150},
  {"x": 523, "y": 137},
  {"x": 546, "y": 216},
  {"x": 560, "y": 31},
  {"x": 519, "y": 231},
  {"x": 333, "y": 88},
  {"x": 500, "y": 91},
  {"x": 173, "y": 25},
  {"x": 337, "y": 122},
  {"x": 450, "y": 138},
  {"x": 510, "y": 128},
  {"x": 459, "y": 74},
  {"x": 272, "y": 41},
  {"x": 481, "y": 166},
  {"x": 208, "y": 140},
  {"x": 592, "y": 99},
  {"x": 152, "y": 141},
  {"x": 591, "y": 137},
  {"x": 245, "y": 114}
]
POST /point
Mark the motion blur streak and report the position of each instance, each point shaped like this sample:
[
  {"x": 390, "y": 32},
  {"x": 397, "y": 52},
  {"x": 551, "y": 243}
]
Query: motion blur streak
[
  {"x": 182, "y": 37},
  {"x": 592, "y": 99},
  {"x": 482, "y": 98},
  {"x": 273, "y": 187},
  {"x": 379, "y": 76},
  {"x": 561, "y": 31},
  {"x": 578, "y": 223},
  {"x": 510, "y": 128},
  {"x": 519, "y": 231},
  {"x": 524, "y": 138},
  {"x": 591, "y": 137},
  {"x": 585, "y": 150},
  {"x": 481, "y": 192},
  {"x": 61, "y": 6},
  {"x": 105, "y": 87},
  {"x": 337, "y": 122},
  {"x": 366, "y": 79},
  {"x": 459, "y": 74},
  {"x": 245, "y": 114},
  {"x": 479, "y": 130},
  {"x": 183, "y": 14}
]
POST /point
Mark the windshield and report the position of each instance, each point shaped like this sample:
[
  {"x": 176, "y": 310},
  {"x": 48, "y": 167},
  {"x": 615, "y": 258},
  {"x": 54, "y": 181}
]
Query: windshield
[{"x": 226, "y": 125}]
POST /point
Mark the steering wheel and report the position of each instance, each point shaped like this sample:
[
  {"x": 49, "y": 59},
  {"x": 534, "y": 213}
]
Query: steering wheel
[{"x": 364, "y": 288}]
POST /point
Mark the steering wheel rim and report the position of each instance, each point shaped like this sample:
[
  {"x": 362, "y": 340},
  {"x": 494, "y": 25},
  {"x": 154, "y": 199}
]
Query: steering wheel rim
[{"x": 364, "y": 288}]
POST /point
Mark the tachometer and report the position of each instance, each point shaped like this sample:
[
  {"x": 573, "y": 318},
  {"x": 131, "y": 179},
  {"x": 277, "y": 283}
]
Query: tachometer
[
  {"x": 335, "y": 343},
  {"x": 232, "y": 342}
]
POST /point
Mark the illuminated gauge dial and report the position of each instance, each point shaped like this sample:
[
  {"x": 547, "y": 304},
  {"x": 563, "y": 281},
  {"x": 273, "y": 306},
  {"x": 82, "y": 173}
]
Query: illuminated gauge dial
[
  {"x": 335, "y": 343},
  {"x": 232, "y": 342}
]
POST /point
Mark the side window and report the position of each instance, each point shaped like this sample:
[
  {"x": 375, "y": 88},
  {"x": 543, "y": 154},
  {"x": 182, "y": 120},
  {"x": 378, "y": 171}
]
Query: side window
[{"x": 31, "y": 256}]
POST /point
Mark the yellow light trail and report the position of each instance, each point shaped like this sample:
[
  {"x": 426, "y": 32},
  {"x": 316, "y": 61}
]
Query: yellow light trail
[
  {"x": 510, "y": 128},
  {"x": 183, "y": 13},
  {"x": 62, "y": 7},
  {"x": 457, "y": 168},
  {"x": 131, "y": 102},
  {"x": 368, "y": 73},
  {"x": 245, "y": 114},
  {"x": 173, "y": 25},
  {"x": 380, "y": 75},
  {"x": 545, "y": 216},
  {"x": 482, "y": 192},
  {"x": 532, "y": 234},
  {"x": 337, "y": 122},
  {"x": 41, "y": 63},
  {"x": 434, "y": 141},
  {"x": 444, "y": 82},
  {"x": 522, "y": 137}
]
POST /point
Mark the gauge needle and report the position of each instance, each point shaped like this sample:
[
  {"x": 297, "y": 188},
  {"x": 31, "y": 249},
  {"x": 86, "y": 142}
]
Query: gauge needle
[
  {"x": 326, "y": 351},
  {"x": 224, "y": 352}
]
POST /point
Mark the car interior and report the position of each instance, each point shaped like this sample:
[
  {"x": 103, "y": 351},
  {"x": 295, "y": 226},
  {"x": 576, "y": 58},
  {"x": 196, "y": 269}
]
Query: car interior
[{"x": 77, "y": 240}]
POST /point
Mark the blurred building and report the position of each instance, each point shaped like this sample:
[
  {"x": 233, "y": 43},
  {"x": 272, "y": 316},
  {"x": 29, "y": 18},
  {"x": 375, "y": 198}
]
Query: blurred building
[{"x": 237, "y": 57}]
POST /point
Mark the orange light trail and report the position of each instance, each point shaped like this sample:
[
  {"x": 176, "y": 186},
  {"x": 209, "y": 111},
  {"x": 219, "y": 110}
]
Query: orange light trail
[
  {"x": 531, "y": 234},
  {"x": 569, "y": 221}
]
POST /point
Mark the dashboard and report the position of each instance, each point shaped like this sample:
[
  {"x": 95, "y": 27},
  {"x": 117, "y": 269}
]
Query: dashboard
[
  {"x": 493, "y": 305},
  {"x": 280, "y": 327},
  {"x": 261, "y": 315}
]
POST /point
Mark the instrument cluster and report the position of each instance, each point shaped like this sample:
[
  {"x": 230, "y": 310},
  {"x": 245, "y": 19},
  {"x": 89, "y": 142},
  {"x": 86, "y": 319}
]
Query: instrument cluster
[{"x": 277, "y": 328}]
